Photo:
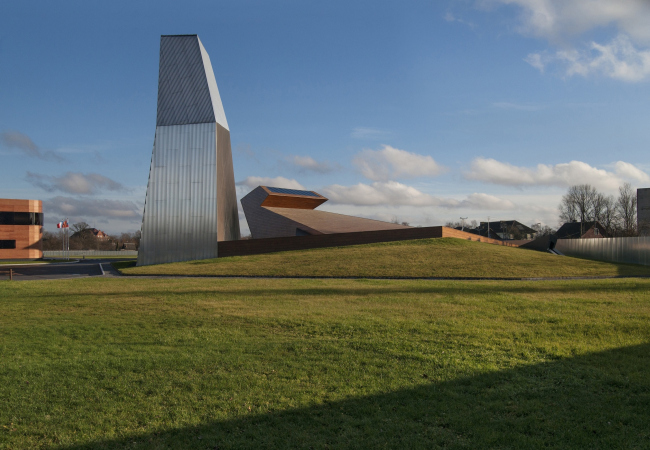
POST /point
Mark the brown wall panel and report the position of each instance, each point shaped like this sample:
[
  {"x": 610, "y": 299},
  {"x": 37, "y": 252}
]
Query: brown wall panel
[
  {"x": 29, "y": 238},
  {"x": 271, "y": 245},
  {"x": 21, "y": 205},
  {"x": 295, "y": 201},
  {"x": 29, "y": 243}
]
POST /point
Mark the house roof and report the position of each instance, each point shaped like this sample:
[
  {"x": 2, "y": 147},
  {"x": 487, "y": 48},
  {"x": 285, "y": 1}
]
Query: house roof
[
  {"x": 574, "y": 230},
  {"x": 504, "y": 226}
]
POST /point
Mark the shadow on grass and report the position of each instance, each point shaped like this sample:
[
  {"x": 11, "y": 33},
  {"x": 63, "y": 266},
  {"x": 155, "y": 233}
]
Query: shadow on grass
[{"x": 599, "y": 400}]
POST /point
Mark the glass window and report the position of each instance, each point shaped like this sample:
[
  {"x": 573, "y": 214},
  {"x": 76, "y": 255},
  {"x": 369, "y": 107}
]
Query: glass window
[
  {"x": 6, "y": 218},
  {"x": 6, "y": 245},
  {"x": 20, "y": 218}
]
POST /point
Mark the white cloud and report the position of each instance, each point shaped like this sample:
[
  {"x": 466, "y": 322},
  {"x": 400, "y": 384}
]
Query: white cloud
[
  {"x": 561, "y": 21},
  {"x": 368, "y": 133},
  {"x": 281, "y": 182},
  {"x": 485, "y": 201},
  {"x": 309, "y": 163},
  {"x": 631, "y": 172},
  {"x": 558, "y": 20},
  {"x": 619, "y": 60},
  {"x": 379, "y": 193},
  {"x": 75, "y": 183},
  {"x": 517, "y": 106},
  {"x": 391, "y": 163},
  {"x": 563, "y": 175},
  {"x": 393, "y": 193},
  {"x": 18, "y": 141},
  {"x": 449, "y": 17},
  {"x": 78, "y": 209}
]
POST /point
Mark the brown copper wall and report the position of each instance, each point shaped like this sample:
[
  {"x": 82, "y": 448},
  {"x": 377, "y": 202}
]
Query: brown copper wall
[
  {"x": 271, "y": 245},
  {"x": 29, "y": 238}
]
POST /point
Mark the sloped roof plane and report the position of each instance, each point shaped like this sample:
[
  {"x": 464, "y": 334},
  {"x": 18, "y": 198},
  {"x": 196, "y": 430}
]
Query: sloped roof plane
[{"x": 280, "y": 212}]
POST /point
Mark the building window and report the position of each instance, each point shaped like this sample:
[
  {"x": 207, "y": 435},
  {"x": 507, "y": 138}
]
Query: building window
[
  {"x": 7, "y": 245},
  {"x": 20, "y": 218},
  {"x": 596, "y": 231}
]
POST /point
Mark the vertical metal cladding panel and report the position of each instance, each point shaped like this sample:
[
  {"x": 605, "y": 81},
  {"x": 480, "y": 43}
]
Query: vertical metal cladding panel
[
  {"x": 183, "y": 184},
  {"x": 219, "y": 113},
  {"x": 227, "y": 212},
  {"x": 183, "y": 91},
  {"x": 181, "y": 218},
  {"x": 632, "y": 250},
  {"x": 643, "y": 211}
]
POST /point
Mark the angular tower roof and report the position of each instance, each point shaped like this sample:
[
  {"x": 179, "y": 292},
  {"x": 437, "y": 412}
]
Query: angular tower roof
[{"x": 187, "y": 89}]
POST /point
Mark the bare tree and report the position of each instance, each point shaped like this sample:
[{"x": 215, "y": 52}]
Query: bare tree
[
  {"x": 79, "y": 226},
  {"x": 626, "y": 209},
  {"x": 604, "y": 211},
  {"x": 52, "y": 241},
  {"x": 136, "y": 238},
  {"x": 578, "y": 204}
]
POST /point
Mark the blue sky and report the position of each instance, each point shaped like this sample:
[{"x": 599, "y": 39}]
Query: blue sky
[{"x": 419, "y": 111}]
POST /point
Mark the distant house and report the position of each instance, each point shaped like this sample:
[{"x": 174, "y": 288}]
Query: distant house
[
  {"x": 99, "y": 234},
  {"x": 94, "y": 232},
  {"x": 581, "y": 230},
  {"x": 505, "y": 230}
]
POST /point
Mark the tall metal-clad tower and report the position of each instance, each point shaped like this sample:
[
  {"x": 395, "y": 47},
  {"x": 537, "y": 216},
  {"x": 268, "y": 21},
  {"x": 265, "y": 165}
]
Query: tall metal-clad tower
[{"x": 191, "y": 202}]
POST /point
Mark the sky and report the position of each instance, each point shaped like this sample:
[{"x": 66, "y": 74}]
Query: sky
[{"x": 422, "y": 111}]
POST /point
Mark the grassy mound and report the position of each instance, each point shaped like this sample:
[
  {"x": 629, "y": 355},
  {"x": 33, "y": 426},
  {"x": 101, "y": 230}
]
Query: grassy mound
[
  {"x": 198, "y": 363},
  {"x": 447, "y": 257}
]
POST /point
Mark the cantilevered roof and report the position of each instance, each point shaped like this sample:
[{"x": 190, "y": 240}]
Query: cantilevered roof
[{"x": 292, "y": 198}]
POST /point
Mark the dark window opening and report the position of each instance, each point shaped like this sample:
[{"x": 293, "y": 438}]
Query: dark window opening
[
  {"x": 20, "y": 218},
  {"x": 292, "y": 191},
  {"x": 7, "y": 245}
]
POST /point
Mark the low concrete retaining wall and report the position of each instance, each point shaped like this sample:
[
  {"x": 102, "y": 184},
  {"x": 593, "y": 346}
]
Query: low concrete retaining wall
[{"x": 633, "y": 250}]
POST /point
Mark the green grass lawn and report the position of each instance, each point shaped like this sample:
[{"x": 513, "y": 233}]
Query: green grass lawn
[
  {"x": 263, "y": 363},
  {"x": 446, "y": 257}
]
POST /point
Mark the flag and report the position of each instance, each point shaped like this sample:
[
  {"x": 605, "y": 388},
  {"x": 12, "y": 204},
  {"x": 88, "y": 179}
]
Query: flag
[
  {"x": 59, "y": 225},
  {"x": 65, "y": 224}
]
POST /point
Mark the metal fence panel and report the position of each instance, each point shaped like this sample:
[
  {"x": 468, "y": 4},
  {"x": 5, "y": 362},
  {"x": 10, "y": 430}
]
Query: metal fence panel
[{"x": 633, "y": 250}]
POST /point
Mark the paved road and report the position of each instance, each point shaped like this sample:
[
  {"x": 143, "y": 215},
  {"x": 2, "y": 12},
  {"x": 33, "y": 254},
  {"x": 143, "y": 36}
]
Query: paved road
[{"x": 55, "y": 271}]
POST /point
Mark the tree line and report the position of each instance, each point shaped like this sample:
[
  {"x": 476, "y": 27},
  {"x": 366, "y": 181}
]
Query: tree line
[
  {"x": 583, "y": 203},
  {"x": 82, "y": 238}
]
